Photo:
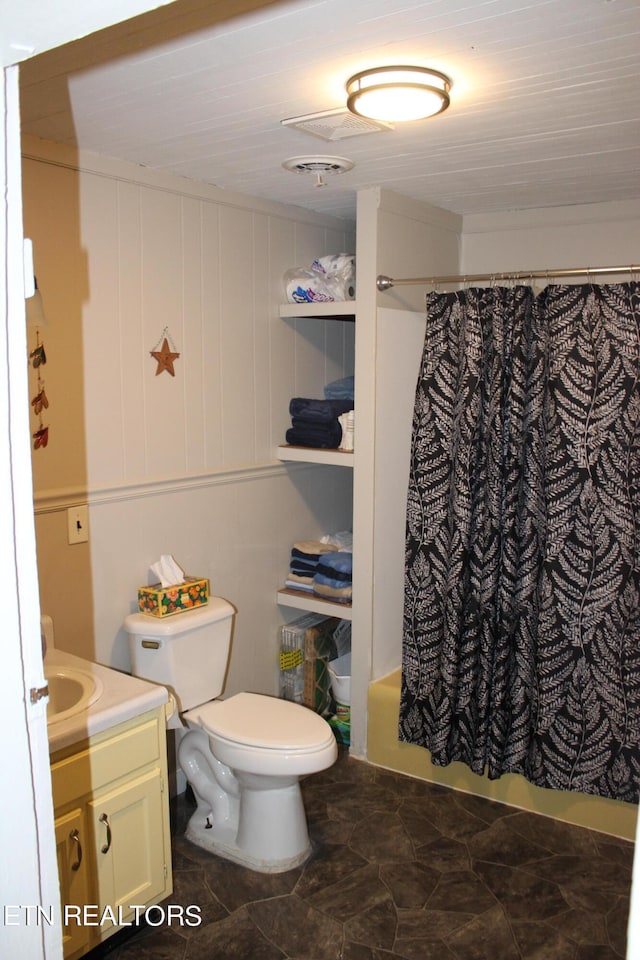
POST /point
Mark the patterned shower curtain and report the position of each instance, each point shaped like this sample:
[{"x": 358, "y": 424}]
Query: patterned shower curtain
[{"x": 521, "y": 649}]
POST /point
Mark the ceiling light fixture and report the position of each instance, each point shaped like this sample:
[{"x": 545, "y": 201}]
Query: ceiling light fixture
[{"x": 398, "y": 93}]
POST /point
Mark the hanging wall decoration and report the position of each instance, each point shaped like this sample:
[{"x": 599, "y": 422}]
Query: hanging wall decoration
[
  {"x": 166, "y": 355},
  {"x": 40, "y": 402}
]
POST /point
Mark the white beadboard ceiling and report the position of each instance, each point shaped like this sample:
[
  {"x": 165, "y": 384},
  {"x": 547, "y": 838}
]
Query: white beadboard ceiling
[{"x": 544, "y": 111}]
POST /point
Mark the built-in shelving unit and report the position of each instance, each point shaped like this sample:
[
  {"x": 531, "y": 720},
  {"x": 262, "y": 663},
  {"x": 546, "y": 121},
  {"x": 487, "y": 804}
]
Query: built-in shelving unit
[{"x": 332, "y": 457}]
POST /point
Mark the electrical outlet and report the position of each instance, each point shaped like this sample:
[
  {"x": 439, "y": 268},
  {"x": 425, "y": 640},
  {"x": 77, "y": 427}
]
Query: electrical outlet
[{"x": 78, "y": 524}]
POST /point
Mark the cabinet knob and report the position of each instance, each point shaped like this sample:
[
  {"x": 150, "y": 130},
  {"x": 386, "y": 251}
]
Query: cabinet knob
[{"x": 105, "y": 819}]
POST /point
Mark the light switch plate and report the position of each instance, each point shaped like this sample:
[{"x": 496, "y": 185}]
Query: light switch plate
[{"x": 78, "y": 524}]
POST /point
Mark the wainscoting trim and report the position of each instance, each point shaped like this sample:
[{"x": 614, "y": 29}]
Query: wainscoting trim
[{"x": 52, "y": 501}]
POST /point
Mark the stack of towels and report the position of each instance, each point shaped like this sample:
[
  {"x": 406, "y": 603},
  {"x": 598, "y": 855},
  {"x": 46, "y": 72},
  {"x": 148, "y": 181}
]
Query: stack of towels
[
  {"x": 321, "y": 569},
  {"x": 332, "y": 579},
  {"x": 315, "y": 423},
  {"x": 305, "y": 555}
]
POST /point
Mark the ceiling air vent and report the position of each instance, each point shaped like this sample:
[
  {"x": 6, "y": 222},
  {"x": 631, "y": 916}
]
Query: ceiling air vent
[
  {"x": 336, "y": 124},
  {"x": 318, "y": 166}
]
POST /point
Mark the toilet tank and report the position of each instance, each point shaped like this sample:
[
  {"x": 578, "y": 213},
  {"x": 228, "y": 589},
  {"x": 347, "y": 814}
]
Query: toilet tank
[{"x": 188, "y": 652}]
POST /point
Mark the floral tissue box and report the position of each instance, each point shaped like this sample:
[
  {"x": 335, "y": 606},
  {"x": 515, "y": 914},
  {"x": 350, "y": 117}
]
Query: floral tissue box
[{"x": 161, "y": 601}]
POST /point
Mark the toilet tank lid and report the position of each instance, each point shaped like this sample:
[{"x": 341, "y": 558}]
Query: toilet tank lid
[{"x": 146, "y": 625}]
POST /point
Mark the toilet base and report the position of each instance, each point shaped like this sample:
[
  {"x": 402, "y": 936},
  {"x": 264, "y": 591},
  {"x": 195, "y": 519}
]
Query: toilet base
[
  {"x": 254, "y": 819},
  {"x": 221, "y": 841}
]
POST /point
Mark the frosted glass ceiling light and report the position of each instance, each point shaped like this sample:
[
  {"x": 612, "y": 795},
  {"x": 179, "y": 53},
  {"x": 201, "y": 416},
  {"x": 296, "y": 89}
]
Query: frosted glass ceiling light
[{"x": 398, "y": 93}]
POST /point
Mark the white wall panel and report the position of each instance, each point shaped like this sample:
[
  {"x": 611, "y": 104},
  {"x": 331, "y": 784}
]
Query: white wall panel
[
  {"x": 212, "y": 358},
  {"x": 191, "y": 367},
  {"x": 183, "y": 464},
  {"x": 101, "y": 335},
  {"x": 400, "y": 339},
  {"x": 282, "y": 337},
  {"x": 338, "y": 349},
  {"x": 310, "y": 357},
  {"x": 162, "y": 308},
  {"x": 263, "y": 308},
  {"x": 588, "y": 235},
  {"x": 133, "y": 359},
  {"x": 310, "y": 243},
  {"x": 237, "y": 531},
  {"x": 236, "y": 324}
]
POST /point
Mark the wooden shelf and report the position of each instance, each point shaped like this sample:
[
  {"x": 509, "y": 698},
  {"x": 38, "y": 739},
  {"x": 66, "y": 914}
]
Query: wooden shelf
[
  {"x": 307, "y": 601},
  {"x": 321, "y": 311},
  {"x": 333, "y": 457}
]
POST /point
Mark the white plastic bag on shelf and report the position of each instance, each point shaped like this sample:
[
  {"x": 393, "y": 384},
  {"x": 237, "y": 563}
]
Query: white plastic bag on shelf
[{"x": 328, "y": 279}]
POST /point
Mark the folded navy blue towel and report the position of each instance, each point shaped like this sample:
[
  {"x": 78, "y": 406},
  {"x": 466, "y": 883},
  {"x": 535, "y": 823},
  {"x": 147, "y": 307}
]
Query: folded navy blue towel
[
  {"x": 302, "y": 568},
  {"x": 307, "y": 555},
  {"x": 318, "y": 411},
  {"x": 324, "y": 435}
]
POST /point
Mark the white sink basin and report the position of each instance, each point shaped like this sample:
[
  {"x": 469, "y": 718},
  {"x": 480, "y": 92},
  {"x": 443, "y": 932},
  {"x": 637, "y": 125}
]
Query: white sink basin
[
  {"x": 86, "y": 698},
  {"x": 70, "y": 692}
]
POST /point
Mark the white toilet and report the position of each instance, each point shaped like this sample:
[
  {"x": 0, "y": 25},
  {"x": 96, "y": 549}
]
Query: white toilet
[{"x": 242, "y": 756}]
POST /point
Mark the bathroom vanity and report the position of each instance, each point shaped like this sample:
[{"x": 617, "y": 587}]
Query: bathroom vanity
[{"x": 110, "y": 793}]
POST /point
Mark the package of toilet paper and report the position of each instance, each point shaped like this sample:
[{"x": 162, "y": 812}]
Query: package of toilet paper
[{"x": 328, "y": 279}]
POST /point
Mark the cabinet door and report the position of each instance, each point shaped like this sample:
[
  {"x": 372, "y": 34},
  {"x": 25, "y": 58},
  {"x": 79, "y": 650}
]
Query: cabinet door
[
  {"x": 128, "y": 829},
  {"x": 72, "y": 850}
]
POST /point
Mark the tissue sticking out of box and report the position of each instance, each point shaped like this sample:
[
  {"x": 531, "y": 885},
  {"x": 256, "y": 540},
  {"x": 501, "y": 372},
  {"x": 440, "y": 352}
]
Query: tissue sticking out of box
[{"x": 166, "y": 571}]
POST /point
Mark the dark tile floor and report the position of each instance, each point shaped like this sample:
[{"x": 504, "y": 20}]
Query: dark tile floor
[{"x": 404, "y": 869}]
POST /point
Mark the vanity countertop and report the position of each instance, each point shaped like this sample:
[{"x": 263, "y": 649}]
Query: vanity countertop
[{"x": 121, "y": 698}]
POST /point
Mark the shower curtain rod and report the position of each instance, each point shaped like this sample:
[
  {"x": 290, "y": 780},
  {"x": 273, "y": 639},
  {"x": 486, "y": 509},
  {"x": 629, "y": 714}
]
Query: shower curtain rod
[{"x": 385, "y": 283}]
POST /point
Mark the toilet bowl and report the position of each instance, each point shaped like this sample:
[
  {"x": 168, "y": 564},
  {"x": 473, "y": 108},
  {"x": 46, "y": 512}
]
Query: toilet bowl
[
  {"x": 251, "y": 810},
  {"x": 242, "y": 756}
]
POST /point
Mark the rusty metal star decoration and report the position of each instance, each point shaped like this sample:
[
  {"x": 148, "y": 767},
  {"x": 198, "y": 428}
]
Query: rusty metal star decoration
[{"x": 165, "y": 358}]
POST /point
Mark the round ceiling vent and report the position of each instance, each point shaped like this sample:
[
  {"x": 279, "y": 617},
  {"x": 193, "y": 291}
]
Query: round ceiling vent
[{"x": 318, "y": 164}]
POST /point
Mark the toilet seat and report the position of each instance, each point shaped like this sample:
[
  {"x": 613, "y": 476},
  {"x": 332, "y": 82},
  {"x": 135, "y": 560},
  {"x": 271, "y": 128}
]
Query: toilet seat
[
  {"x": 261, "y": 722},
  {"x": 256, "y": 734}
]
